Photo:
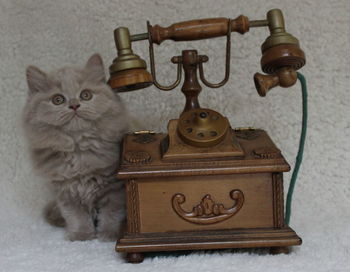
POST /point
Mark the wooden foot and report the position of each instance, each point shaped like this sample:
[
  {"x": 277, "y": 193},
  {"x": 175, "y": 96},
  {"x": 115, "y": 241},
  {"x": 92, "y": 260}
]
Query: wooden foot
[
  {"x": 279, "y": 250},
  {"x": 134, "y": 257}
]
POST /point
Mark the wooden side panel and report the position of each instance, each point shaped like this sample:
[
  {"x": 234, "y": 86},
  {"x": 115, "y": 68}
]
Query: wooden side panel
[
  {"x": 132, "y": 205},
  {"x": 278, "y": 201},
  {"x": 158, "y": 215}
]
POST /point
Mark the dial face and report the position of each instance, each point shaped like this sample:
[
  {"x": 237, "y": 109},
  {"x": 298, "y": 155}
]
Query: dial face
[{"x": 202, "y": 127}]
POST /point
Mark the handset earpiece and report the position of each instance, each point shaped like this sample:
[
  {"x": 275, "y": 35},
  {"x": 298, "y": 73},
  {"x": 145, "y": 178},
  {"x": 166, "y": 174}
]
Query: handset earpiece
[{"x": 281, "y": 57}]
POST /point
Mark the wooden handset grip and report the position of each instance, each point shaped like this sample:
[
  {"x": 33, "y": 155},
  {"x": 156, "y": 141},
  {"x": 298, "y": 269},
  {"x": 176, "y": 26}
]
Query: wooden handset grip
[{"x": 198, "y": 29}]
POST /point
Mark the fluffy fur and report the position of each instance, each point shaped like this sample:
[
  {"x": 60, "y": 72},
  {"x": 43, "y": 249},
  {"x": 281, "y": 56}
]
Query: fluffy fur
[{"x": 74, "y": 123}]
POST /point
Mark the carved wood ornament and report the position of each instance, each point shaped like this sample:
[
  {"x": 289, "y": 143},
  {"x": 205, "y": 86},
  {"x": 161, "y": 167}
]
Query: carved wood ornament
[{"x": 208, "y": 212}]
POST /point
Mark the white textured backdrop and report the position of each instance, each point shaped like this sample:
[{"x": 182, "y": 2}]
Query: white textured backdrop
[{"x": 51, "y": 34}]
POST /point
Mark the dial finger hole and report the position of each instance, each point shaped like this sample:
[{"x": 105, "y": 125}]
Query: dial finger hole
[
  {"x": 189, "y": 130},
  {"x": 203, "y": 115},
  {"x": 213, "y": 133},
  {"x": 200, "y": 135}
]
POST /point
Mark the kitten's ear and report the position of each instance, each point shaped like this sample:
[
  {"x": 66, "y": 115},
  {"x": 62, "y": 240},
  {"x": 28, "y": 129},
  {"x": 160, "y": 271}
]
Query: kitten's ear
[
  {"x": 36, "y": 79},
  {"x": 95, "y": 69}
]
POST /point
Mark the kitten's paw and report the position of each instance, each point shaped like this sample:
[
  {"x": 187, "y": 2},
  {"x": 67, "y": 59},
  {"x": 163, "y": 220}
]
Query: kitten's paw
[
  {"x": 107, "y": 236},
  {"x": 80, "y": 236}
]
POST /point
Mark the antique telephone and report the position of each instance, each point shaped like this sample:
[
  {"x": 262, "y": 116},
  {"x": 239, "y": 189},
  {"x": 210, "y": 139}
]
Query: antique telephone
[{"x": 202, "y": 156}]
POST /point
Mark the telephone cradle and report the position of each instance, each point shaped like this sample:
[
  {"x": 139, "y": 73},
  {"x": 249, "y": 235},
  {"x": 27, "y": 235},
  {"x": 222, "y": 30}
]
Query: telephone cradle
[{"x": 218, "y": 201}]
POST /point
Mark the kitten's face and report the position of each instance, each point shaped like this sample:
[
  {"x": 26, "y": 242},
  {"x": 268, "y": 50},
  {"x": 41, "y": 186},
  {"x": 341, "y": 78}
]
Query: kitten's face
[
  {"x": 72, "y": 101},
  {"x": 69, "y": 98}
]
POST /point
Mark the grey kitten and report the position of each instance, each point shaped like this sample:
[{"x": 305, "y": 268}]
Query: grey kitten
[{"x": 74, "y": 123}]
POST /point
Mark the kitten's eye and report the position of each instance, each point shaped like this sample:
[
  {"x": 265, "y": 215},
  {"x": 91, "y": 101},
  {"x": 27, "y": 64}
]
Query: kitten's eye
[
  {"x": 86, "y": 94},
  {"x": 58, "y": 99}
]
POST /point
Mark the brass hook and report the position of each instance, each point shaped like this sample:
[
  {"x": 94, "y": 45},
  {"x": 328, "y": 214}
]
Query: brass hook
[
  {"x": 153, "y": 69},
  {"x": 227, "y": 65}
]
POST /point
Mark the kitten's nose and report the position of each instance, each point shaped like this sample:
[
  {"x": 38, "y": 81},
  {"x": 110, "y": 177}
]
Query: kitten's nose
[{"x": 74, "y": 107}]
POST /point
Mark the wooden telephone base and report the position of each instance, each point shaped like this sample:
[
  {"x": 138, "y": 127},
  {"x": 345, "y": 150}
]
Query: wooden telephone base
[
  {"x": 204, "y": 185},
  {"x": 184, "y": 198}
]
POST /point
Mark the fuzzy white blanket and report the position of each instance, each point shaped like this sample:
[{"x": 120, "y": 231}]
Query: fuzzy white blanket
[{"x": 50, "y": 34}]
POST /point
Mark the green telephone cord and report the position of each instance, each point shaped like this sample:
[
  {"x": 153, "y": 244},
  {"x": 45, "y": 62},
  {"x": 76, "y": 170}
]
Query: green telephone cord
[{"x": 299, "y": 157}]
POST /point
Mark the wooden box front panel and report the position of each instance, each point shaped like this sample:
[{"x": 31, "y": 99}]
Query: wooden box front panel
[{"x": 156, "y": 213}]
